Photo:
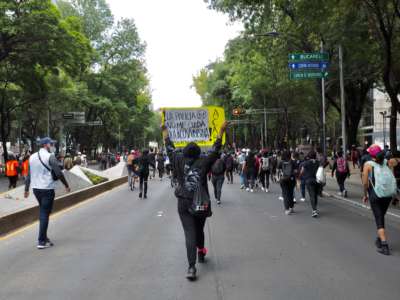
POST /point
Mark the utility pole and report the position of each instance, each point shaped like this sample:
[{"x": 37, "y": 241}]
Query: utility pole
[
  {"x": 342, "y": 102},
  {"x": 323, "y": 108},
  {"x": 265, "y": 126}
]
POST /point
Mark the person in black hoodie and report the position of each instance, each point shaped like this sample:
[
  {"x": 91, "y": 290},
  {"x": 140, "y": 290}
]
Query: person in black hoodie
[
  {"x": 193, "y": 227},
  {"x": 143, "y": 162}
]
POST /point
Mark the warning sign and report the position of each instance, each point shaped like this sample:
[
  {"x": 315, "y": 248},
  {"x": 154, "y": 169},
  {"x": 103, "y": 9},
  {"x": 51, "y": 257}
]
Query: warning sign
[{"x": 200, "y": 125}]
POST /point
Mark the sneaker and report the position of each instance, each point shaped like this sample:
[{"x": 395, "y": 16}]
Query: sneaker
[
  {"x": 140, "y": 195},
  {"x": 219, "y": 202},
  {"x": 345, "y": 194},
  {"x": 302, "y": 199},
  {"x": 340, "y": 194},
  {"x": 314, "y": 214},
  {"x": 384, "y": 249},
  {"x": 251, "y": 191},
  {"x": 247, "y": 189},
  {"x": 378, "y": 243},
  {"x": 45, "y": 245},
  {"x": 267, "y": 190},
  {"x": 242, "y": 187},
  {"x": 191, "y": 274},
  {"x": 262, "y": 188},
  {"x": 145, "y": 197},
  {"x": 287, "y": 212},
  {"x": 294, "y": 200},
  {"x": 201, "y": 255},
  {"x": 280, "y": 198}
]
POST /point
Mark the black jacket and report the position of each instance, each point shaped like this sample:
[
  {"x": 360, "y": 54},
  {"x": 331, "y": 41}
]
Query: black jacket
[
  {"x": 143, "y": 162},
  {"x": 178, "y": 162}
]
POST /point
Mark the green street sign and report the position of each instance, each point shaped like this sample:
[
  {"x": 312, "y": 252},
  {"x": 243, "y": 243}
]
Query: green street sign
[
  {"x": 316, "y": 56},
  {"x": 308, "y": 75}
]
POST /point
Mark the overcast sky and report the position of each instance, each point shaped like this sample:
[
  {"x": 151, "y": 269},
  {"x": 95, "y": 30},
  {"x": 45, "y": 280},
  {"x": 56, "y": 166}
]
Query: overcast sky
[{"x": 182, "y": 36}]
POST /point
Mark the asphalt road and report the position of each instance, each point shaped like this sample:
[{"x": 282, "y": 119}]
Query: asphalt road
[{"x": 119, "y": 247}]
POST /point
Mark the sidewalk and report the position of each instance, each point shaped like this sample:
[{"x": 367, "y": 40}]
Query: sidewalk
[
  {"x": 13, "y": 201},
  {"x": 354, "y": 189}
]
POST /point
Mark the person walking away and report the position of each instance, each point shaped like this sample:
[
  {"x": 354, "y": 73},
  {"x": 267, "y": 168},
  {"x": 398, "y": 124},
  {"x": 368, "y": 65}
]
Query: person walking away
[
  {"x": 309, "y": 172},
  {"x": 274, "y": 166},
  {"x": 218, "y": 178},
  {"x": 190, "y": 170},
  {"x": 143, "y": 163},
  {"x": 379, "y": 189},
  {"x": 153, "y": 159},
  {"x": 129, "y": 167},
  {"x": 288, "y": 181},
  {"x": 249, "y": 168},
  {"x": 12, "y": 168},
  {"x": 160, "y": 165},
  {"x": 229, "y": 164},
  {"x": 265, "y": 170},
  {"x": 242, "y": 173},
  {"x": 301, "y": 178},
  {"x": 44, "y": 171},
  {"x": 341, "y": 167},
  {"x": 355, "y": 156}
]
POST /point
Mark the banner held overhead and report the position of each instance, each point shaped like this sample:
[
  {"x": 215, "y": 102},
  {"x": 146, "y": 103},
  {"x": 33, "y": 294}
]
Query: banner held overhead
[{"x": 200, "y": 124}]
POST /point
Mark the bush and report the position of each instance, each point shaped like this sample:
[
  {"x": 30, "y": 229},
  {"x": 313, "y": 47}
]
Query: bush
[{"x": 95, "y": 179}]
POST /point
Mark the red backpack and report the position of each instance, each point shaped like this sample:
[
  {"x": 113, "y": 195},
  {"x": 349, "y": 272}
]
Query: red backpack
[{"x": 341, "y": 165}]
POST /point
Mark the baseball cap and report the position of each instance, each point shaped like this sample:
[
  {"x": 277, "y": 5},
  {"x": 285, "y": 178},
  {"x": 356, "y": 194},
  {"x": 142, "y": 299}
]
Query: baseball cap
[
  {"x": 374, "y": 149},
  {"x": 46, "y": 140}
]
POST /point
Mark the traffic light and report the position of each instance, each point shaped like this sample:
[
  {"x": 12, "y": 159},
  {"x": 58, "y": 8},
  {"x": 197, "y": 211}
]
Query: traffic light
[{"x": 238, "y": 111}]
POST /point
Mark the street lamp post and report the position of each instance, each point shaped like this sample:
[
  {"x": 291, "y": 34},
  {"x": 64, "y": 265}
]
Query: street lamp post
[{"x": 384, "y": 116}]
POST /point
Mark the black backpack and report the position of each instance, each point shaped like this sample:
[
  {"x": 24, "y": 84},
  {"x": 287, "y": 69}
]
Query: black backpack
[
  {"x": 287, "y": 170},
  {"x": 218, "y": 167}
]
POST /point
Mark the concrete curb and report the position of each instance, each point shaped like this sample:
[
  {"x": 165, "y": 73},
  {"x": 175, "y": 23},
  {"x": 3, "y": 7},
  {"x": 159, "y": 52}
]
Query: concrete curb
[
  {"x": 355, "y": 203},
  {"x": 25, "y": 217}
]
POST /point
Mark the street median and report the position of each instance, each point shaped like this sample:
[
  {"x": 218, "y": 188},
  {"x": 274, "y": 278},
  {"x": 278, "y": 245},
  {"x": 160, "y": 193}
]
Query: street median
[{"x": 16, "y": 220}]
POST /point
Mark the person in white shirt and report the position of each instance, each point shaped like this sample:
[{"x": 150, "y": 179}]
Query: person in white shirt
[{"x": 44, "y": 171}]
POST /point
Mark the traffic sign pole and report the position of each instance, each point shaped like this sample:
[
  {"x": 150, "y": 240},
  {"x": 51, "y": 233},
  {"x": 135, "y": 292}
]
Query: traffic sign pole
[
  {"x": 323, "y": 109},
  {"x": 342, "y": 103}
]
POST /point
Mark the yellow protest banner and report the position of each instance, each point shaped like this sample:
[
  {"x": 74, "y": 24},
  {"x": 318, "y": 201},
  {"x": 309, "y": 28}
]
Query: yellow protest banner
[{"x": 193, "y": 124}]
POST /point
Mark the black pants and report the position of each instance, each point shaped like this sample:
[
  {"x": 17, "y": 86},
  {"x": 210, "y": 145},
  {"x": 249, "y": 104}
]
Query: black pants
[
  {"x": 143, "y": 178},
  {"x": 264, "y": 177},
  {"x": 160, "y": 173},
  {"x": 313, "y": 189},
  {"x": 193, "y": 228},
  {"x": 288, "y": 193},
  {"x": 229, "y": 175},
  {"x": 45, "y": 199},
  {"x": 217, "y": 182},
  {"x": 379, "y": 207},
  {"x": 12, "y": 182},
  {"x": 341, "y": 178}
]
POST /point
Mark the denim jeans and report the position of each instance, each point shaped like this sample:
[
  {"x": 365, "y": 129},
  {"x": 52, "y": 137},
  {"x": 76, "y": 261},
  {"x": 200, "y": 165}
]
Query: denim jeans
[
  {"x": 217, "y": 182},
  {"x": 45, "y": 199}
]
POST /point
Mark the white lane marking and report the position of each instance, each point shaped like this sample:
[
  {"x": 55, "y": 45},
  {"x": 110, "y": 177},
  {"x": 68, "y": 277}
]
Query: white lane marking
[{"x": 355, "y": 203}]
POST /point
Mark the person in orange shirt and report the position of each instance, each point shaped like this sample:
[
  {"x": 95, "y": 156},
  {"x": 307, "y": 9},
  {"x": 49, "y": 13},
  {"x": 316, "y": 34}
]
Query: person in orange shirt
[
  {"x": 25, "y": 165},
  {"x": 12, "y": 171}
]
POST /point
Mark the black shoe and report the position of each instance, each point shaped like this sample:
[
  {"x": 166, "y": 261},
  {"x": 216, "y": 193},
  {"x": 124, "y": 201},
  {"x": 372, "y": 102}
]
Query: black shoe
[
  {"x": 140, "y": 195},
  {"x": 219, "y": 202},
  {"x": 201, "y": 255},
  {"x": 384, "y": 249},
  {"x": 191, "y": 274},
  {"x": 378, "y": 243},
  {"x": 145, "y": 197},
  {"x": 44, "y": 245}
]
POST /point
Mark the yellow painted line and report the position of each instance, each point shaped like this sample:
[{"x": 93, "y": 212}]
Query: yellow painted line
[{"x": 55, "y": 215}]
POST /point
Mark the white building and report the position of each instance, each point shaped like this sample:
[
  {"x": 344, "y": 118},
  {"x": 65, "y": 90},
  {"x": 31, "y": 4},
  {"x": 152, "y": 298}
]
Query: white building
[{"x": 381, "y": 119}]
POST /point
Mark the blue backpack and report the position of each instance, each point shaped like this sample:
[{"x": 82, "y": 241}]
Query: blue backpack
[{"x": 383, "y": 180}]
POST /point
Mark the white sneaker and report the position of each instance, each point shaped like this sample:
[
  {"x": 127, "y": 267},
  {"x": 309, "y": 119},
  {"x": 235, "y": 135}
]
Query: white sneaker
[
  {"x": 340, "y": 194},
  {"x": 280, "y": 198},
  {"x": 242, "y": 187},
  {"x": 314, "y": 214},
  {"x": 294, "y": 200},
  {"x": 248, "y": 190},
  {"x": 251, "y": 191},
  {"x": 302, "y": 199},
  {"x": 267, "y": 190},
  {"x": 262, "y": 188},
  {"x": 287, "y": 212}
]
